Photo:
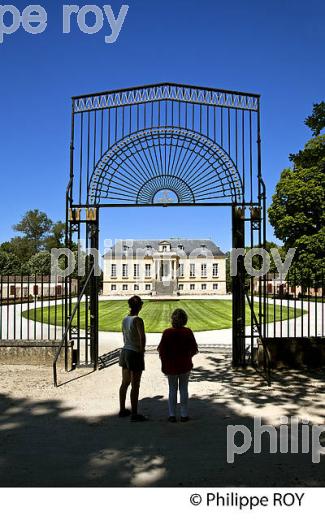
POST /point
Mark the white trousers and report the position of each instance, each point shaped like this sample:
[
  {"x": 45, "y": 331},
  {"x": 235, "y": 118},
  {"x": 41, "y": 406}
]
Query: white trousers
[{"x": 178, "y": 381}]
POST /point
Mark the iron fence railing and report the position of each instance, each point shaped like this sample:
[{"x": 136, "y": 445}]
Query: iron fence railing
[
  {"x": 75, "y": 310},
  {"x": 32, "y": 307},
  {"x": 294, "y": 307},
  {"x": 258, "y": 329}
]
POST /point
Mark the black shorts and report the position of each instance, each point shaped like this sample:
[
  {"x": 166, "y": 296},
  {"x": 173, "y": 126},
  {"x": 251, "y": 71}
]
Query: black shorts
[{"x": 132, "y": 360}]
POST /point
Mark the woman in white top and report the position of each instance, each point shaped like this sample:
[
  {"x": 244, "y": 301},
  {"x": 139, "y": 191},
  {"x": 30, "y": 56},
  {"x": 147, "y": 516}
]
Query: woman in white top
[{"x": 132, "y": 358}]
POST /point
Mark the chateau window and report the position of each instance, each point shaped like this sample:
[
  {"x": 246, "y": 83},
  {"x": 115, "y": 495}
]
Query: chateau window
[
  {"x": 181, "y": 270},
  {"x": 181, "y": 247},
  {"x": 113, "y": 287},
  {"x": 215, "y": 286},
  {"x": 203, "y": 286},
  {"x": 164, "y": 246},
  {"x": 136, "y": 287},
  {"x": 124, "y": 270},
  {"x": 181, "y": 287},
  {"x": 203, "y": 269},
  {"x": 192, "y": 287},
  {"x": 148, "y": 287},
  {"x": 192, "y": 269},
  {"x": 136, "y": 270},
  {"x": 113, "y": 270},
  {"x": 147, "y": 270},
  {"x": 215, "y": 269},
  {"x": 124, "y": 287},
  {"x": 125, "y": 249}
]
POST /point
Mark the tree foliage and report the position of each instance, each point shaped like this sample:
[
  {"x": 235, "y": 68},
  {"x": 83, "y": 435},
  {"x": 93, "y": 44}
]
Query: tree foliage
[
  {"x": 38, "y": 235},
  {"x": 297, "y": 212},
  {"x": 9, "y": 264},
  {"x": 19, "y": 246},
  {"x": 40, "y": 263},
  {"x": 316, "y": 121},
  {"x": 35, "y": 227},
  {"x": 56, "y": 236}
]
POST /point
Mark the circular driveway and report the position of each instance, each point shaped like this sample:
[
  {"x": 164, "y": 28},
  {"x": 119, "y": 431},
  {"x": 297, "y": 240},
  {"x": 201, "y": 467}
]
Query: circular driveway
[{"x": 15, "y": 326}]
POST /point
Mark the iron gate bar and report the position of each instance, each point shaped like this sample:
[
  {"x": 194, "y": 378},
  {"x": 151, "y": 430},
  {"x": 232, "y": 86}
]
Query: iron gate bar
[
  {"x": 161, "y": 205},
  {"x": 183, "y": 138},
  {"x": 182, "y": 86},
  {"x": 166, "y": 92},
  {"x": 69, "y": 324},
  {"x": 115, "y": 170},
  {"x": 266, "y": 354}
]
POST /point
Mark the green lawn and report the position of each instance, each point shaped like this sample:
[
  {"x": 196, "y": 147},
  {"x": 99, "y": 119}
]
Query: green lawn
[{"x": 203, "y": 314}]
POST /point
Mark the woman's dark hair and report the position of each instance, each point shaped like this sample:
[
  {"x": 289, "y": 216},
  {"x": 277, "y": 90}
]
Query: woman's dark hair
[
  {"x": 179, "y": 318},
  {"x": 135, "y": 303}
]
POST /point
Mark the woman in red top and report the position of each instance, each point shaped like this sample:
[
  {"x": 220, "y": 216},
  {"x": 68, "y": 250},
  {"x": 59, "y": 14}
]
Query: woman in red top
[{"x": 176, "y": 349}]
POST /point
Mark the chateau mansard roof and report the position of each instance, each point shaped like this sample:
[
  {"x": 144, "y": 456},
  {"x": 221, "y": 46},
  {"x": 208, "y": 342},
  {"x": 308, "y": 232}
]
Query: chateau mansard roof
[{"x": 179, "y": 246}]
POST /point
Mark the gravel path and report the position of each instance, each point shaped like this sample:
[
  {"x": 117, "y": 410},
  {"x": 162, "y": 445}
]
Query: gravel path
[{"x": 71, "y": 436}]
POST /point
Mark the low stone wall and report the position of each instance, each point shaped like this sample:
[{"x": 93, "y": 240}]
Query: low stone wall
[
  {"x": 33, "y": 352},
  {"x": 293, "y": 352}
]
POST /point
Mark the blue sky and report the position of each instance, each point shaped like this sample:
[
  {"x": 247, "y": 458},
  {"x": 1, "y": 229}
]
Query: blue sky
[{"x": 275, "y": 48}]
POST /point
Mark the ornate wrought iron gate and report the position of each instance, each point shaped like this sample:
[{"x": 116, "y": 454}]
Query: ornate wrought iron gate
[{"x": 201, "y": 144}]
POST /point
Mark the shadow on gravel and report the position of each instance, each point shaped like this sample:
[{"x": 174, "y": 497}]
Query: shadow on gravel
[
  {"x": 47, "y": 444},
  {"x": 290, "y": 387},
  {"x": 108, "y": 359}
]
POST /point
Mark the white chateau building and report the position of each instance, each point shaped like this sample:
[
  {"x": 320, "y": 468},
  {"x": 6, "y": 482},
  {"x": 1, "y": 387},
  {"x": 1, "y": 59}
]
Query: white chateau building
[{"x": 164, "y": 267}]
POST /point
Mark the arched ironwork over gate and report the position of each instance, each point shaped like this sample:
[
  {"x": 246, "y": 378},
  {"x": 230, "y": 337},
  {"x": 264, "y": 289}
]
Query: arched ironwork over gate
[{"x": 201, "y": 144}]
